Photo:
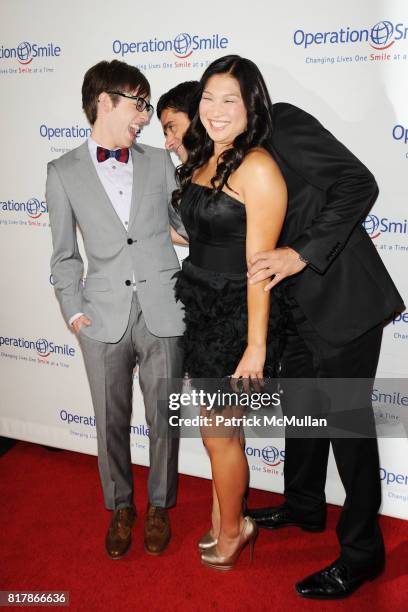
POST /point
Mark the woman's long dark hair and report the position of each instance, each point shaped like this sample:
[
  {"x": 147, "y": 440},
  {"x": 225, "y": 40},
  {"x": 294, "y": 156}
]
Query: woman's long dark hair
[{"x": 257, "y": 134}]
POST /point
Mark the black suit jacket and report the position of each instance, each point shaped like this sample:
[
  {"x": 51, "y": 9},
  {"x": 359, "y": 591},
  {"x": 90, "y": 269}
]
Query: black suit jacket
[{"x": 346, "y": 289}]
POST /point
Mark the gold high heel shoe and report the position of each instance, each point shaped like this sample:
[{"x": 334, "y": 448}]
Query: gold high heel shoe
[
  {"x": 207, "y": 541},
  {"x": 248, "y": 535}
]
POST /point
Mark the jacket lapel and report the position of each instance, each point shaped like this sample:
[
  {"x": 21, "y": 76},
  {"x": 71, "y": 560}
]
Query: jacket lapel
[
  {"x": 141, "y": 165},
  {"x": 88, "y": 175}
]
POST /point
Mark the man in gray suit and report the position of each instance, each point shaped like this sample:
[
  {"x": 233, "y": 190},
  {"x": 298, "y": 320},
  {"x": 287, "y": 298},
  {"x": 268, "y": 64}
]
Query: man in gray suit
[{"x": 124, "y": 312}]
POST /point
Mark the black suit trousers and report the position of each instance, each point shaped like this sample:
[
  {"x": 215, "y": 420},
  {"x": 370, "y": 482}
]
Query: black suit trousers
[{"x": 307, "y": 355}]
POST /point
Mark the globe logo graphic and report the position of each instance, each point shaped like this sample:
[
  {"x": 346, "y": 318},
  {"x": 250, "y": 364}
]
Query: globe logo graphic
[
  {"x": 182, "y": 44},
  {"x": 381, "y": 34},
  {"x": 42, "y": 347},
  {"x": 371, "y": 225},
  {"x": 270, "y": 455},
  {"x": 24, "y": 53},
  {"x": 33, "y": 208}
]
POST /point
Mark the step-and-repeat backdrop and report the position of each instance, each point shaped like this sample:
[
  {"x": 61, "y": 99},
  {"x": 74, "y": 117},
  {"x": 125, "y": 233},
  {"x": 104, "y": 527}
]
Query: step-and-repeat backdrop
[{"x": 344, "y": 62}]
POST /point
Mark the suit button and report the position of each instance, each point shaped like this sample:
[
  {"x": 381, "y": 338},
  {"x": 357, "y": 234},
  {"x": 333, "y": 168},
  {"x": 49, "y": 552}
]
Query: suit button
[
  {"x": 128, "y": 283},
  {"x": 129, "y": 241}
]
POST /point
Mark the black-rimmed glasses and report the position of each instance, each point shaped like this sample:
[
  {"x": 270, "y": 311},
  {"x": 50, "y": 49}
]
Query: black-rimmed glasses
[{"x": 141, "y": 103}]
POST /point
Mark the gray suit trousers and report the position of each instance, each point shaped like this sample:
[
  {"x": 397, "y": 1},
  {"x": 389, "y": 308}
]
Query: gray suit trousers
[{"x": 109, "y": 367}]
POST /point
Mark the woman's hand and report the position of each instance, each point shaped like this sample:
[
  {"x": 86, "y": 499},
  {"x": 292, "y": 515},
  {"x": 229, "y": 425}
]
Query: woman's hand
[{"x": 250, "y": 367}]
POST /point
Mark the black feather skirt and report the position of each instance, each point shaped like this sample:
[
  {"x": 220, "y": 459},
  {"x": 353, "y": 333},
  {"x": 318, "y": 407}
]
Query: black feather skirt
[{"x": 216, "y": 320}]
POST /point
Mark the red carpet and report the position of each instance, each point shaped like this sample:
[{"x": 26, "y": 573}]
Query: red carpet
[{"x": 52, "y": 538}]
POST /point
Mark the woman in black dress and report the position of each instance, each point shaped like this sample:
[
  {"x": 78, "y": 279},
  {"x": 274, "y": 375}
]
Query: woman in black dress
[{"x": 232, "y": 200}]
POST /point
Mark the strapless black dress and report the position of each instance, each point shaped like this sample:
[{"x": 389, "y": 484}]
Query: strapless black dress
[{"x": 212, "y": 285}]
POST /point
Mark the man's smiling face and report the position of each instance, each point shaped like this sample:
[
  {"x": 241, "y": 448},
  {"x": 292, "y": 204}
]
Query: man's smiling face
[
  {"x": 124, "y": 121},
  {"x": 175, "y": 125}
]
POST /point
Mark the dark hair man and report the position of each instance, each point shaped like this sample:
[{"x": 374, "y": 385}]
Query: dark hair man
[
  {"x": 173, "y": 113},
  {"x": 338, "y": 294}
]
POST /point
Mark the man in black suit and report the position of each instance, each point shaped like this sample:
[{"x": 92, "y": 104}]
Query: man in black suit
[{"x": 338, "y": 294}]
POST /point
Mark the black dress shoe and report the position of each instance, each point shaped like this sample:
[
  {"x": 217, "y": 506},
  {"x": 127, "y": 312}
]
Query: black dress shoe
[
  {"x": 336, "y": 581},
  {"x": 280, "y": 516}
]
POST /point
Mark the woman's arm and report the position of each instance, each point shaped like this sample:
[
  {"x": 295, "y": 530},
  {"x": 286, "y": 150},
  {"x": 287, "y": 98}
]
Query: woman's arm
[
  {"x": 265, "y": 197},
  {"x": 176, "y": 238}
]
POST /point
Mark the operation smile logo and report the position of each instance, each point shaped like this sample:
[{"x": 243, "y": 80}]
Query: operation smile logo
[
  {"x": 33, "y": 207},
  {"x": 182, "y": 46},
  {"x": 400, "y": 134},
  {"x": 381, "y": 36},
  {"x": 43, "y": 347},
  {"x": 72, "y": 418},
  {"x": 400, "y": 318},
  {"x": 400, "y": 328},
  {"x": 57, "y": 134},
  {"x": 271, "y": 456},
  {"x": 70, "y": 131},
  {"x": 25, "y": 52},
  {"x": 395, "y": 484},
  {"x": 375, "y": 226}
]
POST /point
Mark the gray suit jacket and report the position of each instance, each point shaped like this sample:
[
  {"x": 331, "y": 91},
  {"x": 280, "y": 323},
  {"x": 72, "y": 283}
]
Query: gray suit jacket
[{"x": 76, "y": 197}]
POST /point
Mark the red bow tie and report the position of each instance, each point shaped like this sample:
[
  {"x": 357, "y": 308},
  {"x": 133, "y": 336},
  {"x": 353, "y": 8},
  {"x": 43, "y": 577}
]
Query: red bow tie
[{"x": 121, "y": 155}]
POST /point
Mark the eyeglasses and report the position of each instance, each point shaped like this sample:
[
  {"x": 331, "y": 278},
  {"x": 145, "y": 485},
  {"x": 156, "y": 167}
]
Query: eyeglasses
[{"x": 141, "y": 103}]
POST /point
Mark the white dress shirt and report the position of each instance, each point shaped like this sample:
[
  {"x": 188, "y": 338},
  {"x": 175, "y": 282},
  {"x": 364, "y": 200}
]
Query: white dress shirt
[{"x": 117, "y": 180}]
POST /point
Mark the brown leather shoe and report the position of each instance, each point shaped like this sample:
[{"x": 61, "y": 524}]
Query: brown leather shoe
[
  {"x": 119, "y": 536},
  {"x": 157, "y": 531}
]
